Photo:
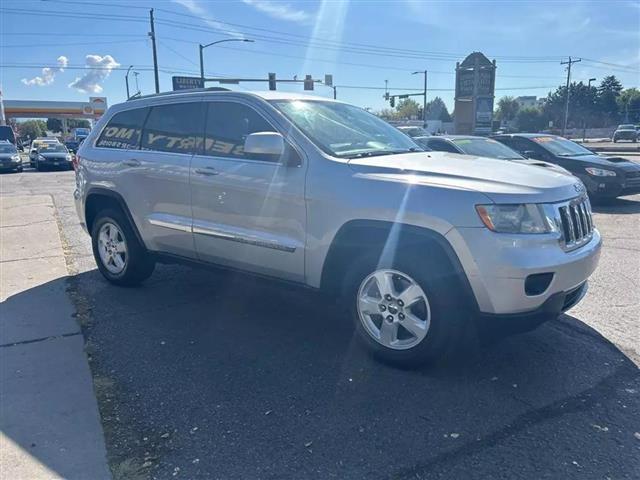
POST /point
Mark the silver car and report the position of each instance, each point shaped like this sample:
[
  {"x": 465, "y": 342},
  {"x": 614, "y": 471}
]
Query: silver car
[{"x": 422, "y": 248}]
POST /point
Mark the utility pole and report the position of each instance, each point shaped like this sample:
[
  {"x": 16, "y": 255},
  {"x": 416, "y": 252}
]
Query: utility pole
[
  {"x": 335, "y": 94},
  {"x": 424, "y": 99},
  {"x": 566, "y": 106},
  {"x": 152, "y": 34}
]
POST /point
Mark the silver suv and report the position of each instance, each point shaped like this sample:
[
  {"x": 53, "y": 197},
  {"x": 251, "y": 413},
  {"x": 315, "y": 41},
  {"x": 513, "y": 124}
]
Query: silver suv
[{"x": 422, "y": 246}]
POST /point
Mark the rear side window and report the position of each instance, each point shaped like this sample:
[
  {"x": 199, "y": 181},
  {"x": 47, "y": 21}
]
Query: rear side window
[
  {"x": 442, "y": 146},
  {"x": 228, "y": 124},
  {"x": 123, "y": 130},
  {"x": 175, "y": 128}
]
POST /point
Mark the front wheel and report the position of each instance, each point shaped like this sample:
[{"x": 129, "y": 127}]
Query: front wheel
[
  {"x": 411, "y": 313},
  {"x": 118, "y": 253}
]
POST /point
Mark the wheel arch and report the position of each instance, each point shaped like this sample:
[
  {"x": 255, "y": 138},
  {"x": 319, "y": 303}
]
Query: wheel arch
[
  {"x": 101, "y": 198},
  {"x": 357, "y": 236}
]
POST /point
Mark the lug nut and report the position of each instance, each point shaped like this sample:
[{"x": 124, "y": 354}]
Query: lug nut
[
  {"x": 400, "y": 303},
  {"x": 389, "y": 318},
  {"x": 401, "y": 316},
  {"x": 388, "y": 297},
  {"x": 382, "y": 308}
]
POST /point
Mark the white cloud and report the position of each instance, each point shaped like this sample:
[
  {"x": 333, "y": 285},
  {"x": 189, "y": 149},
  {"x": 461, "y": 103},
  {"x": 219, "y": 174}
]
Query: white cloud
[
  {"x": 281, "y": 11},
  {"x": 196, "y": 9},
  {"x": 48, "y": 74},
  {"x": 98, "y": 69}
]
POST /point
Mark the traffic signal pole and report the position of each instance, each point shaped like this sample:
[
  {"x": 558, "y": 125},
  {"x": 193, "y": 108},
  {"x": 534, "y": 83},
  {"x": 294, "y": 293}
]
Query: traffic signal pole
[{"x": 152, "y": 34}]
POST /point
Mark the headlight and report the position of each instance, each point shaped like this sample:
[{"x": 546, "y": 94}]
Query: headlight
[
  {"x": 518, "y": 218},
  {"x": 68, "y": 157},
  {"x": 15, "y": 158},
  {"x": 600, "y": 172}
]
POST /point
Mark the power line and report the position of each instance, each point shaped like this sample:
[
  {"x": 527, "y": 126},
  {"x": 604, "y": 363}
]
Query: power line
[{"x": 41, "y": 45}]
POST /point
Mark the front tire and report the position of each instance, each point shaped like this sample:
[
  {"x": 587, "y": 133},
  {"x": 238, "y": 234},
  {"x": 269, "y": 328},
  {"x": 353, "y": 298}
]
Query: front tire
[
  {"x": 120, "y": 256},
  {"x": 410, "y": 313}
]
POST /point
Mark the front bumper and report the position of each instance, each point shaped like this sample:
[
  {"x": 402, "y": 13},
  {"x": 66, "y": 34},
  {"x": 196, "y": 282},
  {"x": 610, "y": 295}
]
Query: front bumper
[
  {"x": 611, "y": 187},
  {"x": 497, "y": 267}
]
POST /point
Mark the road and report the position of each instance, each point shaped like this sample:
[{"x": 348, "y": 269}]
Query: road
[{"x": 201, "y": 374}]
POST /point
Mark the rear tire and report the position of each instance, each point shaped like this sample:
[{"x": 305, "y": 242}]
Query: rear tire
[
  {"x": 120, "y": 256},
  {"x": 444, "y": 313}
]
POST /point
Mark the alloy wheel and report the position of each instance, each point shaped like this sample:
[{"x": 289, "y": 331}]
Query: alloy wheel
[
  {"x": 393, "y": 309},
  {"x": 112, "y": 248}
]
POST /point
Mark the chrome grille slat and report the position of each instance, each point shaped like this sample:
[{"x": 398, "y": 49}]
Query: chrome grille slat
[{"x": 576, "y": 222}]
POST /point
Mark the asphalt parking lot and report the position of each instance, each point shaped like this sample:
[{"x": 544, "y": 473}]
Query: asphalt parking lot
[{"x": 202, "y": 374}]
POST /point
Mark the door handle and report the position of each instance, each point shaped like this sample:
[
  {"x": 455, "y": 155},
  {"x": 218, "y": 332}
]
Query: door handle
[
  {"x": 210, "y": 171},
  {"x": 132, "y": 162}
]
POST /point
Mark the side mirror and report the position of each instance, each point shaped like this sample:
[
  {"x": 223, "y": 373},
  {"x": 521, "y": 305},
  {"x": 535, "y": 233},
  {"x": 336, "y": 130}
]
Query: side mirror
[{"x": 264, "y": 143}]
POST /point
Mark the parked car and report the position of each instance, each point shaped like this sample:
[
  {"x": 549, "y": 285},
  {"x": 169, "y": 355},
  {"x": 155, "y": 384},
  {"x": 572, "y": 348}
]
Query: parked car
[
  {"x": 604, "y": 177},
  {"x": 626, "y": 132},
  {"x": 72, "y": 145},
  {"x": 35, "y": 145},
  {"x": 50, "y": 154},
  {"x": 421, "y": 247},
  {"x": 483, "y": 147},
  {"x": 9, "y": 157},
  {"x": 414, "y": 131}
]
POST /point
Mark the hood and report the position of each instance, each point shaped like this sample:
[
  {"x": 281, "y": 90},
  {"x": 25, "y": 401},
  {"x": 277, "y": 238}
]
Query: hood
[
  {"x": 603, "y": 161},
  {"x": 540, "y": 163},
  {"x": 53, "y": 154},
  {"x": 502, "y": 181}
]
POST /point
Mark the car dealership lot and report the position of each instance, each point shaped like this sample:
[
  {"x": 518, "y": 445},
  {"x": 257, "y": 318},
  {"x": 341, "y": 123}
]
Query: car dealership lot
[{"x": 205, "y": 374}]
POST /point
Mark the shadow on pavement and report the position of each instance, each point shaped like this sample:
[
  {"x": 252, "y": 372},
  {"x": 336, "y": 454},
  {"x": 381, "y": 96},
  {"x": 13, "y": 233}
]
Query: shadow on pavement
[
  {"x": 208, "y": 374},
  {"x": 616, "y": 205}
]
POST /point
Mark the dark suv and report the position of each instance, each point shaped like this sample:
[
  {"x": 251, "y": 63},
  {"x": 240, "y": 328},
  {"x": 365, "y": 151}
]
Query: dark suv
[{"x": 604, "y": 177}]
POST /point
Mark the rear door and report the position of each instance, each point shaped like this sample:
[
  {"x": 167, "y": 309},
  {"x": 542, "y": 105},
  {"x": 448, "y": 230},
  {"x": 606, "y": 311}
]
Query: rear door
[
  {"x": 152, "y": 170},
  {"x": 248, "y": 210}
]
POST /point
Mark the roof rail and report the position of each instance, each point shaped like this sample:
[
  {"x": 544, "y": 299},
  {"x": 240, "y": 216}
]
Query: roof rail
[{"x": 177, "y": 92}]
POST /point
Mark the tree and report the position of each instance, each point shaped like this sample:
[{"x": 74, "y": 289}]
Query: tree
[
  {"x": 437, "y": 110},
  {"x": 530, "y": 120},
  {"x": 78, "y": 123},
  {"x": 54, "y": 124},
  {"x": 387, "y": 113},
  {"x": 629, "y": 105},
  {"x": 608, "y": 93},
  {"x": 507, "y": 109},
  {"x": 407, "y": 107},
  {"x": 33, "y": 128}
]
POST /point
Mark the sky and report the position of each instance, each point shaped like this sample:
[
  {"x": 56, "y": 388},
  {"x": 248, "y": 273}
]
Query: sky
[{"x": 73, "y": 49}]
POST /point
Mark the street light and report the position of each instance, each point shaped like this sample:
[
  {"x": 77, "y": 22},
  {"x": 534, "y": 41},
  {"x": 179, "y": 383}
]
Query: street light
[
  {"x": 424, "y": 98},
  {"x": 126, "y": 79},
  {"x": 584, "y": 124},
  {"x": 202, "y": 47}
]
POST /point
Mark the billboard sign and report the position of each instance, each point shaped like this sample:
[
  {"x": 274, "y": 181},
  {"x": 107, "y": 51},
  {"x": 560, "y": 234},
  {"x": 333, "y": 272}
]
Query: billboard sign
[{"x": 187, "y": 83}]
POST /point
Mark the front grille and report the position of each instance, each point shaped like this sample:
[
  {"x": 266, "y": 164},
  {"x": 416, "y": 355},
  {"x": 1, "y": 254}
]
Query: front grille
[
  {"x": 576, "y": 223},
  {"x": 633, "y": 174}
]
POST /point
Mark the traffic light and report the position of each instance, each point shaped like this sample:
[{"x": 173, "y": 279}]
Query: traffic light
[
  {"x": 272, "y": 81},
  {"x": 386, "y": 95},
  {"x": 308, "y": 82},
  {"x": 392, "y": 102}
]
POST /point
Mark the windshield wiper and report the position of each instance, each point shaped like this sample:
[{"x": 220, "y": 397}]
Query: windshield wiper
[{"x": 377, "y": 153}]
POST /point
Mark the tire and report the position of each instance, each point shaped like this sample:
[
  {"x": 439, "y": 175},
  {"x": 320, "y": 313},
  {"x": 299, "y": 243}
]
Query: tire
[
  {"x": 129, "y": 266},
  {"x": 614, "y": 140},
  {"x": 446, "y": 315}
]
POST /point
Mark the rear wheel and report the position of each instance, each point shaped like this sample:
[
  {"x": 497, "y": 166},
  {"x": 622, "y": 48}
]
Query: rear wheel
[
  {"x": 409, "y": 313},
  {"x": 118, "y": 253}
]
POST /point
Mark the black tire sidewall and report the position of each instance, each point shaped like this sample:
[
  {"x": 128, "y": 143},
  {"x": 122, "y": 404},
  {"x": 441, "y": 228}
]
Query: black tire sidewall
[
  {"x": 449, "y": 312},
  {"x": 138, "y": 265}
]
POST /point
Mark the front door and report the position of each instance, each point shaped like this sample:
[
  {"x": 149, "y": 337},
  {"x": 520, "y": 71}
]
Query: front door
[{"x": 248, "y": 210}]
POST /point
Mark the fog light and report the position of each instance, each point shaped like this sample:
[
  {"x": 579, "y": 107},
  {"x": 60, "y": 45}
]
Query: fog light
[{"x": 537, "y": 283}]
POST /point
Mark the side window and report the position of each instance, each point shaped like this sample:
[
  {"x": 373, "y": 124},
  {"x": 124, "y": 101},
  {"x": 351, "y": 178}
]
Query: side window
[
  {"x": 442, "y": 146},
  {"x": 228, "y": 124},
  {"x": 123, "y": 130},
  {"x": 174, "y": 127}
]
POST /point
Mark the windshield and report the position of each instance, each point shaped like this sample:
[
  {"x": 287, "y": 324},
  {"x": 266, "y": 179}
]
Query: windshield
[
  {"x": 7, "y": 148},
  {"x": 343, "y": 130},
  {"x": 52, "y": 148},
  {"x": 561, "y": 146},
  {"x": 486, "y": 147}
]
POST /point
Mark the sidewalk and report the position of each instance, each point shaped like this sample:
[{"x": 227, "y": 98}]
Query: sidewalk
[{"x": 49, "y": 421}]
